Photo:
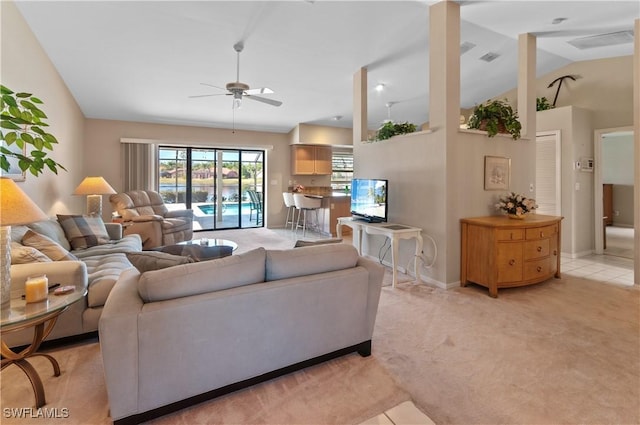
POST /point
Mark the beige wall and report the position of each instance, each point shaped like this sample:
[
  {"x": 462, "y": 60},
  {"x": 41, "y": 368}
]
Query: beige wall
[
  {"x": 26, "y": 67},
  {"x": 103, "y": 138},
  {"x": 604, "y": 87}
]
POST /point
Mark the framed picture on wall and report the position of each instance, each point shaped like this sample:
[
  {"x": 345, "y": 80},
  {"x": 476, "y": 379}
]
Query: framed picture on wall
[
  {"x": 14, "y": 171},
  {"x": 497, "y": 173}
]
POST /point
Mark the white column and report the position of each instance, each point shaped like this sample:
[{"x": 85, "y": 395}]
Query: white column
[
  {"x": 360, "y": 130},
  {"x": 527, "y": 85}
]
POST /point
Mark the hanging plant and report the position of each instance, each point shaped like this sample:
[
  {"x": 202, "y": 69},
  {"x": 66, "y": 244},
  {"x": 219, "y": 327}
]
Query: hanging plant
[{"x": 23, "y": 123}]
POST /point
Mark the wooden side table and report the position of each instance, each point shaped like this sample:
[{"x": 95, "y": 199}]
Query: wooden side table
[{"x": 42, "y": 317}]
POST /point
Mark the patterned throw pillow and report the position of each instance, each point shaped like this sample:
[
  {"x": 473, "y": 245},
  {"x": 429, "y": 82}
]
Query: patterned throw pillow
[
  {"x": 84, "y": 231},
  {"x": 47, "y": 246}
]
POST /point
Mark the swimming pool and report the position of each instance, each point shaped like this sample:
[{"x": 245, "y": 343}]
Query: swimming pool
[{"x": 227, "y": 209}]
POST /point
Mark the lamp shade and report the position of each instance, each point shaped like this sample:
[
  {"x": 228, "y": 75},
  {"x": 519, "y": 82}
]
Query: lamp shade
[
  {"x": 15, "y": 206},
  {"x": 94, "y": 186}
]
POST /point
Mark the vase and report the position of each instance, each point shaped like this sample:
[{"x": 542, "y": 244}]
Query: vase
[{"x": 517, "y": 217}]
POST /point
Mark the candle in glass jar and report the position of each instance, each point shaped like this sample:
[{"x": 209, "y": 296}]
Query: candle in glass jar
[{"x": 36, "y": 288}]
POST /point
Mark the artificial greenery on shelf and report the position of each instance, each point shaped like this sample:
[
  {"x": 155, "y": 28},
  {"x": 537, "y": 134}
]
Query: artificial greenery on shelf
[
  {"x": 495, "y": 116},
  {"x": 390, "y": 129},
  {"x": 542, "y": 104},
  {"x": 22, "y": 123}
]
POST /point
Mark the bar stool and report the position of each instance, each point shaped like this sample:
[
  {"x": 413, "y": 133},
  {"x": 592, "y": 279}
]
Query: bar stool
[
  {"x": 291, "y": 209},
  {"x": 305, "y": 203}
]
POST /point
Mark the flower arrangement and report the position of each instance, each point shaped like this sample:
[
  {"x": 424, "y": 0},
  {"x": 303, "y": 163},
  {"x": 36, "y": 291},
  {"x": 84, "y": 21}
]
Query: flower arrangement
[
  {"x": 516, "y": 204},
  {"x": 298, "y": 188}
]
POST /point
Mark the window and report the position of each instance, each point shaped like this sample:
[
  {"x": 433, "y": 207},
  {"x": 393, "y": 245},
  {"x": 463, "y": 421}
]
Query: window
[
  {"x": 341, "y": 169},
  {"x": 215, "y": 183}
]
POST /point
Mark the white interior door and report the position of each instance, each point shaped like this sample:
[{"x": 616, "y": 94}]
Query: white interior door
[{"x": 548, "y": 166}]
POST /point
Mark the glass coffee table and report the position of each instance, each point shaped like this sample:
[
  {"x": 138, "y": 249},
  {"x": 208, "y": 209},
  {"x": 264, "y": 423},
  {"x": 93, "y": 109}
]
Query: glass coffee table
[
  {"x": 42, "y": 317},
  {"x": 211, "y": 242}
]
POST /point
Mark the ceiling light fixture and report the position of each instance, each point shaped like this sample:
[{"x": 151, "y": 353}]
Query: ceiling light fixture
[
  {"x": 379, "y": 87},
  {"x": 557, "y": 21},
  {"x": 337, "y": 118},
  {"x": 603, "y": 40}
]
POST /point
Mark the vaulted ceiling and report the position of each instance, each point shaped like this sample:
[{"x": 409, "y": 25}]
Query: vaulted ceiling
[{"x": 142, "y": 60}]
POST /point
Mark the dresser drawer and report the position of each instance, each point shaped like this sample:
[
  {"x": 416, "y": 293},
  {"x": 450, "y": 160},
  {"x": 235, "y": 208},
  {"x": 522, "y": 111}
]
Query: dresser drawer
[
  {"x": 541, "y": 232},
  {"x": 509, "y": 262},
  {"x": 537, "y": 269},
  {"x": 510, "y": 234},
  {"x": 536, "y": 249}
]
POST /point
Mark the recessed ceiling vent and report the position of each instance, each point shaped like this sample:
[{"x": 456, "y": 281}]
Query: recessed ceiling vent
[
  {"x": 466, "y": 46},
  {"x": 602, "y": 40},
  {"x": 491, "y": 56}
]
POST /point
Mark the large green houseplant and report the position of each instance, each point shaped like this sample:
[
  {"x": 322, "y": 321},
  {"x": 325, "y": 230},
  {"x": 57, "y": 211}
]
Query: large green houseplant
[
  {"x": 495, "y": 116},
  {"x": 22, "y": 124}
]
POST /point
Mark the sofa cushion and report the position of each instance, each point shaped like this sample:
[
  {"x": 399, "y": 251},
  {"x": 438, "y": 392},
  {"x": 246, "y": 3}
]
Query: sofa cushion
[
  {"x": 154, "y": 260},
  {"x": 21, "y": 254},
  {"x": 129, "y": 243},
  {"x": 283, "y": 264},
  {"x": 102, "y": 273},
  {"x": 47, "y": 246},
  {"x": 52, "y": 229},
  {"x": 83, "y": 231},
  {"x": 202, "y": 277}
]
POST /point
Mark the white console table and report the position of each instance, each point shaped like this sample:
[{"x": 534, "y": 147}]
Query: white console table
[{"x": 395, "y": 232}]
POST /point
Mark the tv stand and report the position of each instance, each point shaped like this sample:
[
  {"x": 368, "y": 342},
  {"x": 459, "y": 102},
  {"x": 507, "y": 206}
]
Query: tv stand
[{"x": 395, "y": 232}]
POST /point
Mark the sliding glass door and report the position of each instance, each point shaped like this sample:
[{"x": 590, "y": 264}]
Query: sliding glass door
[{"x": 223, "y": 187}]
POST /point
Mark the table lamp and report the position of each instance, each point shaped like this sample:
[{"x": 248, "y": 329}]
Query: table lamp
[
  {"x": 94, "y": 188},
  {"x": 15, "y": 208}
]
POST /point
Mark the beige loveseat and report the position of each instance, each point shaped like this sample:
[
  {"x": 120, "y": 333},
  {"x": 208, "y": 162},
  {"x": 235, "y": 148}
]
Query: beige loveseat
[
  {"x": 181, "y": 335},
  {"x": 96, "y": 268}
]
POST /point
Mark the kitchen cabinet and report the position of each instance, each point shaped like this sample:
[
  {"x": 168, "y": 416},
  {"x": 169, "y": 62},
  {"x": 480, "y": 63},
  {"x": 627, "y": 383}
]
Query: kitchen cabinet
[
  {"x": 310, "y": 160},
  {"x": 499, "y": 252}
]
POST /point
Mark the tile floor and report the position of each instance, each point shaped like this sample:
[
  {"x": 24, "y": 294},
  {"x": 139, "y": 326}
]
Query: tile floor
[
  {"x": 603, "y": 268},
  {"x": 403, "y": 414}
]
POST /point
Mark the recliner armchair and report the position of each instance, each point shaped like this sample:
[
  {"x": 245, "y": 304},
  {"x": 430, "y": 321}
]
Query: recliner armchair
[{"x": 144, "y": 213}]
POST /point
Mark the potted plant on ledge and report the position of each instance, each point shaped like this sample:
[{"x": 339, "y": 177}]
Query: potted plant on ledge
[
  {"x": 390, "y": 129},
  {"x": 495, "y": 116}
]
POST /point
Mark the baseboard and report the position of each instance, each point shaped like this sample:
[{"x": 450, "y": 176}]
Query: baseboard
[{"x": 364, "y": 349}]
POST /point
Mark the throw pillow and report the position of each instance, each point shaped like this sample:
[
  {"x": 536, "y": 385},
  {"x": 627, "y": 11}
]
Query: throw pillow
[
  {"x": 21, "y": 254},
  {"x": 47, "y": 246},
  {"x": 84, "y": 231},
  {"x": 154, "y": 260}
]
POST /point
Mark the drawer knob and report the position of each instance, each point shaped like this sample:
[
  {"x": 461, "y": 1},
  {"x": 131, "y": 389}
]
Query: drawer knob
[
  {"x": 539, "y": 249},
  {"x": 555, "y": 252},
  {"x": 512, "y": 262},
  {"x": 542, "y": 234},
  {"x": 539, "y": 268}
]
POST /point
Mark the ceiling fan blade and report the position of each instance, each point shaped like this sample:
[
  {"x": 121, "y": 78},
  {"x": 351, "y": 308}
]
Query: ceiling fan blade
[
  {"x": 211, "y": 85},
  {"x": 208, "y": 95},
  {"x": 259, "y": 90},
  {"x": 264, "y": 100}
]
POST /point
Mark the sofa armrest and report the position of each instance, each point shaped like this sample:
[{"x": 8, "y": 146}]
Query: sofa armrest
[
  {"x": 376, "y": 275},
  {"x": 114, "y": 230},
  {"x": 143, "y": 218},
  {"x": 118, "y": 333},
  {"x": 62, "y": 272},
  {"x": 179, "y": 213}
]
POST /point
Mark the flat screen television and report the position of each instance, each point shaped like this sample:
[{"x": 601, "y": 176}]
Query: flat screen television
[{"x": 369, "y": 199}]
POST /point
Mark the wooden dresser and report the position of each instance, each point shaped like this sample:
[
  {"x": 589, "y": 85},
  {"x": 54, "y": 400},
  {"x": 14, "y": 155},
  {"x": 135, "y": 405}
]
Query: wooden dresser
[{"x": 500, "y": 252}]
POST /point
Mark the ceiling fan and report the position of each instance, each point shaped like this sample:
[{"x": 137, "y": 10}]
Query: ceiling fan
[{"x": 241, "y": 90}]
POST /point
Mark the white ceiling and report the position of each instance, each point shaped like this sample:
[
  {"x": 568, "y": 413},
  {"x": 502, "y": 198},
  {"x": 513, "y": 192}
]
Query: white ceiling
[{"x": 141, "y": 60}]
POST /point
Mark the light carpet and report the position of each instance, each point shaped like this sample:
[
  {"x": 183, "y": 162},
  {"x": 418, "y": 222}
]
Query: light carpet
[{"x": 563, "y": 352}]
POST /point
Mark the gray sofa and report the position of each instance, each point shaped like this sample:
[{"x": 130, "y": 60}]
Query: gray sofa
[
  {"x": 178, "y": 336},
  {"x": 97, "y": 268}
]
